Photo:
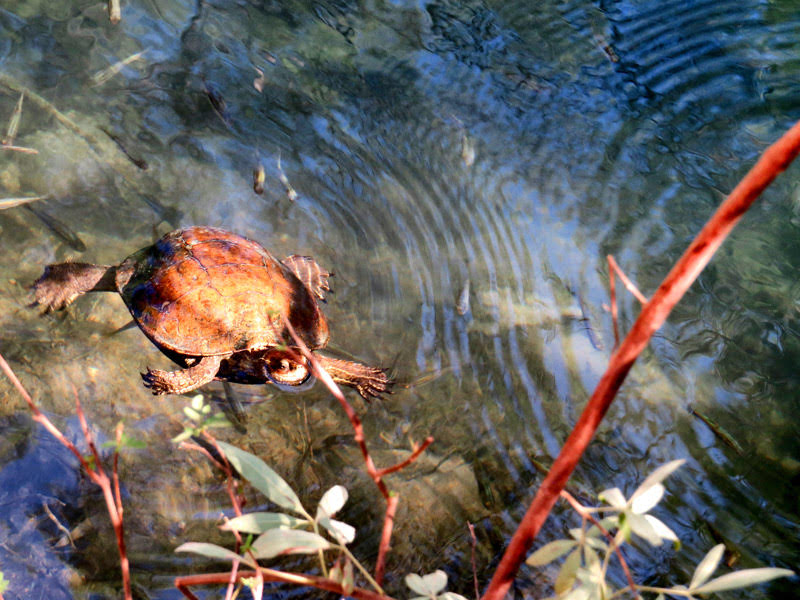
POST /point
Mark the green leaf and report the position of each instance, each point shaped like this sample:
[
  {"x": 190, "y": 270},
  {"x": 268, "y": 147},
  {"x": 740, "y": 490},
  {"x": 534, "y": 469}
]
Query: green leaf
[
  {"x": 262, "y": 477},
  {"x": 613, "y": 497},
  {"x": 331, "y": 502},
  {"x": 741, "y": 579},
  {"x": 550, "y": 552},
  {"x": 341, "y": 532},
  {"x": 427, "y": 585},
  {"x": 185, "y": 435},
  {"x": 566, "y": 576},
  {"x": 707, "y": 566},
  {"x": 451, "y": 596},
  {"x": 213, "y": 551},
  {"x": 3, "y": 583},
  {"x": 259, "y": 522},
  {"x": 276, "y": 542},
  {"x": 193, "y": 414}
]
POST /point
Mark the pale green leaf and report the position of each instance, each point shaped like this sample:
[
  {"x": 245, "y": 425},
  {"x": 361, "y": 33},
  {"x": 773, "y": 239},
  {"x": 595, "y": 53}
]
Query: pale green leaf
[
  {"x": 262, "y": 477},
  {"x": 341, "y": 532},
  {"x": 597, "y": 544},
  {"x": 642, "y": 527},
  {"x": 451, "y": 596},
  {"x": 212, "y": 551},
  {"x": 332, "y": 501},
  {"x": 185, "y": 435},
  {"x": 741, "y": 579},
  {"x": 657, "y": 476},
  {"x": 580, "y": 593},
  {"x": 276, "y": 542},
  {"x": 568, "y": 572},
  {"x": 661, "y": 529},
  {"x": 550, "y": 552},
  {"x": 648, "y": 499},
  {"x": 613, "y": 497},
  {"x": 259, "y": 522},
  {"x": 197, "y": 401},
  {"x": 427, "y": 585},
  {"x": 707, "y": 566},
  {"x": 348, "y": 579}
]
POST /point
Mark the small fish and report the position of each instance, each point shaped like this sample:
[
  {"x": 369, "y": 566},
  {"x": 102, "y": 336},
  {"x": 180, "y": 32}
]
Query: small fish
[
  {"x": 13, "y": 123},
  {"x": 462, "y": 307},
  {"x": 290, "y": 191},
  {"x": 467, "y": 150},
  {"x": 606, "y": 48},
  {"x": 139, "y": 162},
  {"x": 718, "y": 431},
  {"x": 258, "y": 82},
  {"x": 59, "y": 228},
  {"x": 101, "y": 77},
  {"x": 217, "y": 102},
  {"x": 114, "y": 12},
  {"x": 258, "y": 179},
  {"x": 12, "y": 202}
]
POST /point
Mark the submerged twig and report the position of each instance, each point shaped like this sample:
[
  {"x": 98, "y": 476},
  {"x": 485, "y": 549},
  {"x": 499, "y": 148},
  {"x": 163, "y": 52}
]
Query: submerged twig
[
  {"x": 13, "y": 123},
  {"x": 106, "y": 74},
  {"x": 19, "y": 149},
  {"x": 6, "y": 203}
]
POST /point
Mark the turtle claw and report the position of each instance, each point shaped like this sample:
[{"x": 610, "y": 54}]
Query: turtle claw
[
  {"x": 155, "y": 381},
  {"x": 375, "y": 384}
]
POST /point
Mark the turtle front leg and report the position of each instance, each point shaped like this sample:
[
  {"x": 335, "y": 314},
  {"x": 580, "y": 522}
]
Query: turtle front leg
[
  {"x": 185, "y": 380},
  {"x": 371, "y": 382},
  {"x": 60, "y": 284}
]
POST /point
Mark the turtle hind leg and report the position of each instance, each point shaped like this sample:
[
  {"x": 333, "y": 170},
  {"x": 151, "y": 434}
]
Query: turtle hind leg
[
  {"x": 185, "y": 380},
  {"x": 371, "y": 382},
  {"x": 61, "y": 283},
  {"x": 314, "y": 277}
]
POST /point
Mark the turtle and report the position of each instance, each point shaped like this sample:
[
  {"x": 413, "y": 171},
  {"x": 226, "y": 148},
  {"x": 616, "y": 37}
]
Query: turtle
[{"x": 215, "y": 302}]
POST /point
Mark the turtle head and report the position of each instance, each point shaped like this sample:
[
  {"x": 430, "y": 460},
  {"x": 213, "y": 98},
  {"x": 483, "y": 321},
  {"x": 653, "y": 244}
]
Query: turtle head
[{"x": 287, "y": 372}]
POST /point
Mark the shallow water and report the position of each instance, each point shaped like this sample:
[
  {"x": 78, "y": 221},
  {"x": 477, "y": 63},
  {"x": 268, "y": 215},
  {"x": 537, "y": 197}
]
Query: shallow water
[{"x": 430, "y": 144}]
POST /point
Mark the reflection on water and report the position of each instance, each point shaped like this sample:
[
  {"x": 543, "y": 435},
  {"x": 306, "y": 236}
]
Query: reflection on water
[{"x": 428, "y": 145}]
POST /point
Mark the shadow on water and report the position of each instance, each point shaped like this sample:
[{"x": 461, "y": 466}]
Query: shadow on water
[{"x": 464, "y": 168}]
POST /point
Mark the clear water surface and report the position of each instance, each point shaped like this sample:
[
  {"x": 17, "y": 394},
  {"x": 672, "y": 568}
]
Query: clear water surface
[{"x": 509, "y": 145}]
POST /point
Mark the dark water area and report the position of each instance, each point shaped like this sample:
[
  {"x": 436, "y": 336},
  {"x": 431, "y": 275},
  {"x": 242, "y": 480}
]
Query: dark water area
[{"x": 445, "y": 156}]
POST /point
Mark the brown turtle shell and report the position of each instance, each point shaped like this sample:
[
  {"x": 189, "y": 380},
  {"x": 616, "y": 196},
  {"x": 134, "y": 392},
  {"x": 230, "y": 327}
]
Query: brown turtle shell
[{"x": 206, "y": 292}]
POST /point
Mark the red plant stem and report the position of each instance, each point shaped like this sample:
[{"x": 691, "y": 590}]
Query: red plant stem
[
  {"x": 358, "y": 434},
  {"x": 182, "y": 583},
  {"x": 472, "y": 557},
  {"x": 411, "y": 458},
  {"x": 629, "y": 285},
  {"x": 612, "y": 289},
  {"x": 97, "y": 475},
  {"x": 773, "y": 162},
  {"x": 386, "y": 537}
]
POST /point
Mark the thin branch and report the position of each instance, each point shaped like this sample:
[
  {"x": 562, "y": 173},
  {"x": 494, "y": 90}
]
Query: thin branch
[
  {"x": 358, "y": 433},
  {"x": 472, "y": 557},
  {"x": 629, "y": 285},
  {"x": 271, "y": 575},
  {"x": 774, "y": 161},
  {"x": 96, "y": 474},
  {"x": 411, "y": 458},
  {"x": 21, "y": 149}
]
